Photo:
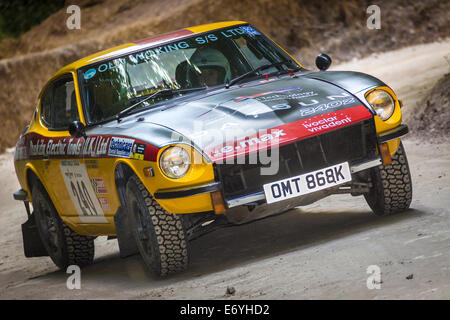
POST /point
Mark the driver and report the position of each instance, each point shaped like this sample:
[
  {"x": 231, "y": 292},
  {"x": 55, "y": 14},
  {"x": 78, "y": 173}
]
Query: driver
[
  {"x": 212, "y": 68},
  {"x": 106, "y": 97}
]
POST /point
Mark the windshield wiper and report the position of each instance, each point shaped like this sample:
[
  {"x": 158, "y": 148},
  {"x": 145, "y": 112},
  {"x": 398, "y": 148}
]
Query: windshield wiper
[
  {"x": 290, "y": 71},
  {"x": 168, "y": 92},
  {"x": 254, "y": 71}
]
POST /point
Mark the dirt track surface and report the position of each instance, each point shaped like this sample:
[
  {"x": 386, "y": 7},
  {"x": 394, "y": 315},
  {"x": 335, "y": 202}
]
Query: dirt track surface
[{"x": 319, "y": 251}]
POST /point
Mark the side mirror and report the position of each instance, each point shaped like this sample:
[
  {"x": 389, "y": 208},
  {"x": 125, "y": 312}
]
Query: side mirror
[
  {"x": 323, "y": 61},
  {"x": 77, "y": 129}
]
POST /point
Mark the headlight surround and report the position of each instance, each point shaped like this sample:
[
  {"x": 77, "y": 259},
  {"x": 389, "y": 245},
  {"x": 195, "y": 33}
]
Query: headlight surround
[
  {"x": 382, "y": 102},
  {"x": 175, "y": 162}
]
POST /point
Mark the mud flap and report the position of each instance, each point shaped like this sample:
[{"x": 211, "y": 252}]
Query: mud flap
[
  {"x": 32, "y": 243},
  {"x": 125, "y": 238}
]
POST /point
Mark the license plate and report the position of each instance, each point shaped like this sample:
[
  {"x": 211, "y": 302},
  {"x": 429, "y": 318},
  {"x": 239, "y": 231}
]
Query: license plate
[{"x": 307, "y": 183}]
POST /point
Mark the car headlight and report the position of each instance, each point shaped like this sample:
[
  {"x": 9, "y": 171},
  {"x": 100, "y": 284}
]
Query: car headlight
[
  {"x": 382, "y": 102},
  {"x": 175, "y": 162}
]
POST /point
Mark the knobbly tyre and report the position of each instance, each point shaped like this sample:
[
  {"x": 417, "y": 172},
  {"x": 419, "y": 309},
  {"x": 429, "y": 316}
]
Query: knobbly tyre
[{"x": 160, "y": 141}]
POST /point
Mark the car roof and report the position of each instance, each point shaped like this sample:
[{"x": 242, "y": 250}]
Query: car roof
[{"x": 142, "y": 44}]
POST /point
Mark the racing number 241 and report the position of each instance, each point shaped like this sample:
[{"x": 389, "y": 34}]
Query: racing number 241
[{"x": 84, "y": 200}]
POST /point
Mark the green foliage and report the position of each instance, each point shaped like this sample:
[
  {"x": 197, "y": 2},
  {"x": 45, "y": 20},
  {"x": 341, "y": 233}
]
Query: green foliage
[{"x": 18, "y": 16}]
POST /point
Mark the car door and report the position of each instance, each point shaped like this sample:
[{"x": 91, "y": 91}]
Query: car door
[{"x": 67, "y": 177}]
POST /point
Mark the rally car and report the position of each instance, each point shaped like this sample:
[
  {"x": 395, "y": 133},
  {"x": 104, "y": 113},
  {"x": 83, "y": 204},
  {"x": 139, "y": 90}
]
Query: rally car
[{"x": 159, "y": 141}]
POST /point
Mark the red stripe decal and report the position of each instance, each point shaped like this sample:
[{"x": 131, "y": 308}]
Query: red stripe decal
[
  {"x": 288, "y": 133},
  {"x": 165, "y": 36}
]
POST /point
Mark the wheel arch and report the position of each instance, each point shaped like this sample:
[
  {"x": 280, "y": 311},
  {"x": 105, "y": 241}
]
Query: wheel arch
[
  {"x": 31, "y": 177},
  {"x": 122, "y": 171}
]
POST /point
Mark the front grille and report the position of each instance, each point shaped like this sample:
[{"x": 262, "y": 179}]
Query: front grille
[{"x": 351, "y": 143}]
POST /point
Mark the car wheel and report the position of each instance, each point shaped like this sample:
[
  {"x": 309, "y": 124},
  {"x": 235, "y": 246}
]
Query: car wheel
[
  {"x": 391, "y": 190},
  {"x": 64, "y": 246},
  {"x": 160, "y": 236}
]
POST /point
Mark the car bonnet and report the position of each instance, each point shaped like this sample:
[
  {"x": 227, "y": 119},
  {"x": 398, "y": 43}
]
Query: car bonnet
[{"x": 279, "y": 111}]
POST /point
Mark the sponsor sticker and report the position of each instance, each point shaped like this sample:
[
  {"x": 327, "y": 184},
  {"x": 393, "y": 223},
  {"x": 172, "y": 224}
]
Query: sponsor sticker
[
  {"x": 281, "y": 106},
  {"x": 285, "y": 90},
  {"x": 99, "y": 185},
  {"x": 93, "y": 146},
  {"x": 104, "y": 203},
  {"x": 311, "y": 108},
  {"x": 91, "y": 164},
  {"x": 289, "y": 132},
  {"x": 120, "y": 147},
  {"x": 288, "y": 96},
  {"x": 21, "y": 153},
  {"x": 248, "y": 144},
  {"x": 138, "y": 151}
]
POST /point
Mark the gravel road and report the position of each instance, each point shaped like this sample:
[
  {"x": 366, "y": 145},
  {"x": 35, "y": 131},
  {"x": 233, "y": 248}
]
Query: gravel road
[{"x": 319, "y": 251}]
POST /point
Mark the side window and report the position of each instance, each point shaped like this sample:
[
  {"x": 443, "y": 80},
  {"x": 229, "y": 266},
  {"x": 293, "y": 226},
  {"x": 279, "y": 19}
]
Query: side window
[
  {"x": 59, "y": 105},
  {"x": 46, "y": 103},
  {"x": 64, "y": 104}
]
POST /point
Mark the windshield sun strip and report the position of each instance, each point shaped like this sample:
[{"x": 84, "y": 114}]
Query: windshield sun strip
[
  {"x": 150, "y": 46},
  {"x": 80, "y": 71}
]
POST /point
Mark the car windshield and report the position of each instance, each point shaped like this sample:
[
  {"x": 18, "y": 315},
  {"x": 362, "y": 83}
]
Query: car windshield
[{"x": 208, "y": 59}]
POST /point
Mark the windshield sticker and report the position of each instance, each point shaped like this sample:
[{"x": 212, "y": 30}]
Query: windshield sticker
[
  {"x": 232, "y": 32},
  {"x": 139, "y": 57},
  {"x": 149, "y": 54},
  {"x": 120, "y": 147},
  {"x": 209, "y": 37},
  {"x": 250, "y": 31},
  {"x": 89, "y": 74}
]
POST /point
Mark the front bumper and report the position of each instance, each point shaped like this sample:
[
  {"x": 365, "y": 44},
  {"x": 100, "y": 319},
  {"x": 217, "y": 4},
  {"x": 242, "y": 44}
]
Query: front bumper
[
  {"x": 260, "y": 196},
  {"x": 393, "y": 134},
  {"x": 187, "y": 192},
  {"x": 368, "y": 159}
]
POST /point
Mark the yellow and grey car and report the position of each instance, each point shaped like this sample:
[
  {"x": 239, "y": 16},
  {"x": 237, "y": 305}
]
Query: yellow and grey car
[{"x": 160, "y": 141}]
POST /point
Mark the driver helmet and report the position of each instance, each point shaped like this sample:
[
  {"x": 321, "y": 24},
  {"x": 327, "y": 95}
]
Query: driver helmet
[{"x": 212, "y": 67}]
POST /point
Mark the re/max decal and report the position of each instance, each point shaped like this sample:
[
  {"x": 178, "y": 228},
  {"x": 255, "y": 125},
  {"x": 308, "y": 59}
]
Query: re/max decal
[{"x": 289, "y": 132}]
